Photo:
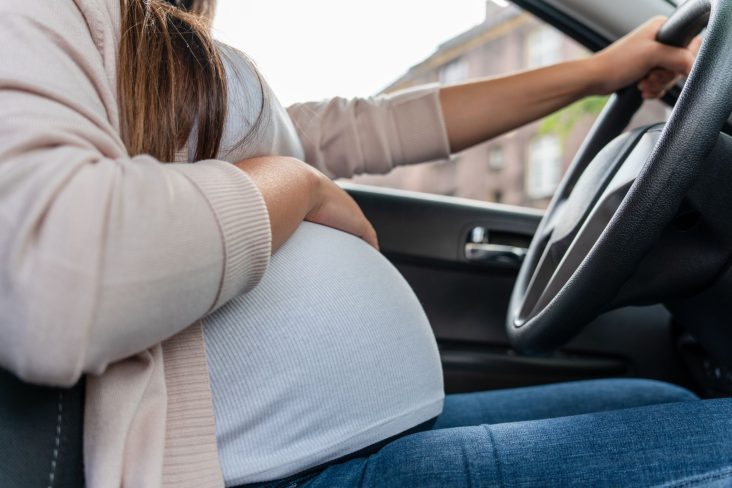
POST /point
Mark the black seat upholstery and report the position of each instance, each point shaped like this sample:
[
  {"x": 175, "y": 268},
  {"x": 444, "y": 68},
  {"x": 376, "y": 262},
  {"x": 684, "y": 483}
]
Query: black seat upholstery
[{"x": 40, "y": 435}]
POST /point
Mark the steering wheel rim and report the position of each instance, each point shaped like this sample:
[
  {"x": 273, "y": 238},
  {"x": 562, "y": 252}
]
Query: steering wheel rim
[{"x": 586, "y": 278}]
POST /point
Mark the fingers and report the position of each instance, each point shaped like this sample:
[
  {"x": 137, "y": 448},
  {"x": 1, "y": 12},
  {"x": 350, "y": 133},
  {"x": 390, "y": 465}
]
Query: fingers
[
  {"x": 671, "y": 64},
  {"x": 661, "y": 77},
  {"x": 695, "y": 45},
  {"x": 638, "y": 56},
  {"x": 657, "y": 83},
  {"x": 365, "y": 230},
  {"x": 340, "y": 211},
  {"x": 370, "y": 236},
  {"x": 675, "y": 59},
  {"x": 361, "y": 227}
]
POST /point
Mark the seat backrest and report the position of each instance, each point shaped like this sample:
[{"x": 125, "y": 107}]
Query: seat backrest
[{"x": 40, "y": 435}]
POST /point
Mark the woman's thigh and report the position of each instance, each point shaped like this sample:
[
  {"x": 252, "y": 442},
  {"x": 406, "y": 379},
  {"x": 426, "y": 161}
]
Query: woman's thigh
[
  {"x": 557, "y": 400},
  {"x": 687, "y": 443}
]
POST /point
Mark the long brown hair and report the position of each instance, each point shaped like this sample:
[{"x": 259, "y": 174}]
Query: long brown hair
[{"x": 170, "y": 78}]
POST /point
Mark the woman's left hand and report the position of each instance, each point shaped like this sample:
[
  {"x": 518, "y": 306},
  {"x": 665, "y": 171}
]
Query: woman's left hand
[
  {"x": 638, "y": 56},
  {"x": 521, "y": 98}
]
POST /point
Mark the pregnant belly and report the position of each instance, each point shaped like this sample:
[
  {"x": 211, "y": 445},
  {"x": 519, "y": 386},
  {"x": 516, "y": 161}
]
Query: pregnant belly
[{"x": 331, "y": 352}]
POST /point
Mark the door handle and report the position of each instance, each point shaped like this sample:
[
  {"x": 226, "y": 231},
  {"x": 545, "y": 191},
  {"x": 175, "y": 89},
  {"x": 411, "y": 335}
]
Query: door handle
[{"x": 486, "y": 253}]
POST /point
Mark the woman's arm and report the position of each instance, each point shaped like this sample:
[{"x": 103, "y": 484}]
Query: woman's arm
[
  {"x": 480, "y": 110},
  {"x": 294, "y": 191},
  {"x": 345, "y": 137}
]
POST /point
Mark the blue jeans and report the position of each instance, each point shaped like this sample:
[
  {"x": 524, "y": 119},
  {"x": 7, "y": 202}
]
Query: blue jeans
[{"x": 590, "y": 433}]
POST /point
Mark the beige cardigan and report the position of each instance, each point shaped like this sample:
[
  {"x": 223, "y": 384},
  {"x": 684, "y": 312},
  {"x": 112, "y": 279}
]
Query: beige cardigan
[{"x": 105, "y": 258}]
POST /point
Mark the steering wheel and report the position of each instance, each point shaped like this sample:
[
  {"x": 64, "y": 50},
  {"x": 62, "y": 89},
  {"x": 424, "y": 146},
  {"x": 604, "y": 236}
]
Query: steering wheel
[{"x": 621, "y": 192}]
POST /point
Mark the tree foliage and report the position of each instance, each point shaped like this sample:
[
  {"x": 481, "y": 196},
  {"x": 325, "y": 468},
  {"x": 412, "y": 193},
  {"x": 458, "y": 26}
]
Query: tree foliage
[{"x": 561, "y": 123}]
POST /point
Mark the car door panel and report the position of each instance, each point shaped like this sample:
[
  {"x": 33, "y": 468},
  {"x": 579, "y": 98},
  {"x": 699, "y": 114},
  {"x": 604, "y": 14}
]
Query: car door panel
[{"x": 425, "y": 236}]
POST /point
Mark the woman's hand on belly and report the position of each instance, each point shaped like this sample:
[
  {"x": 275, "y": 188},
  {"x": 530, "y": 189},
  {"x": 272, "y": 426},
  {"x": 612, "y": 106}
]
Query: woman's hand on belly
[{"x": 293, "y": 191}]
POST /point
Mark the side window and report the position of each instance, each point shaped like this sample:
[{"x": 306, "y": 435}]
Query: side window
[
  {"x": 544, "y": 168},
  {"x": 543, "y": 47},
  {"x": 521, "y": 168},
  {"x": 497, "y": 158},
  {"x": 473, "y": 38}
]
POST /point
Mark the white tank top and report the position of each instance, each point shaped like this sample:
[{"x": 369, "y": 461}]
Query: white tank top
[{"x": 329, "y": 354}]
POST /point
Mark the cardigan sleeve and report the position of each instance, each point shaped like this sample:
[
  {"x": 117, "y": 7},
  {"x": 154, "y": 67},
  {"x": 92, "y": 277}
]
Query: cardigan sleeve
[
  {"x": 345, "y": 137},
  {"x": 102, "y": 255}
]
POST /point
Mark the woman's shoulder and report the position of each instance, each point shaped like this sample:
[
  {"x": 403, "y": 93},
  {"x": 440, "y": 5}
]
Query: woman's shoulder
[
  {"x": 246, "y": 86},
  {"x": 256, "y": 123},
  {"x": 234, "y": 58}
]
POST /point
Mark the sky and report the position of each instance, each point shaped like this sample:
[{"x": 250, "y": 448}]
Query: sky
[{"x": 315, "y": 49}]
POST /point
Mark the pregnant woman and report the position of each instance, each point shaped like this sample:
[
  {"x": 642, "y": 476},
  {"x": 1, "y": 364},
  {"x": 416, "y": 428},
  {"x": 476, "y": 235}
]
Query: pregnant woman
[{"x": 233, "y": 317}]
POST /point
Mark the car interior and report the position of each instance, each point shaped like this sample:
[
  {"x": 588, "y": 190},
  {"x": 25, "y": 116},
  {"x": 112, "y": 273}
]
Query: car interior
[
  {"x": 625, "y": 274},
  {"x": 463, "y": 257}
]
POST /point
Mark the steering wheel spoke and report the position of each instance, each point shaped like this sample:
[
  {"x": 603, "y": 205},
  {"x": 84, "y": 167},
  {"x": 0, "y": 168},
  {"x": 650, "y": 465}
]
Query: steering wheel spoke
[{"x": 577, "y": 223}]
